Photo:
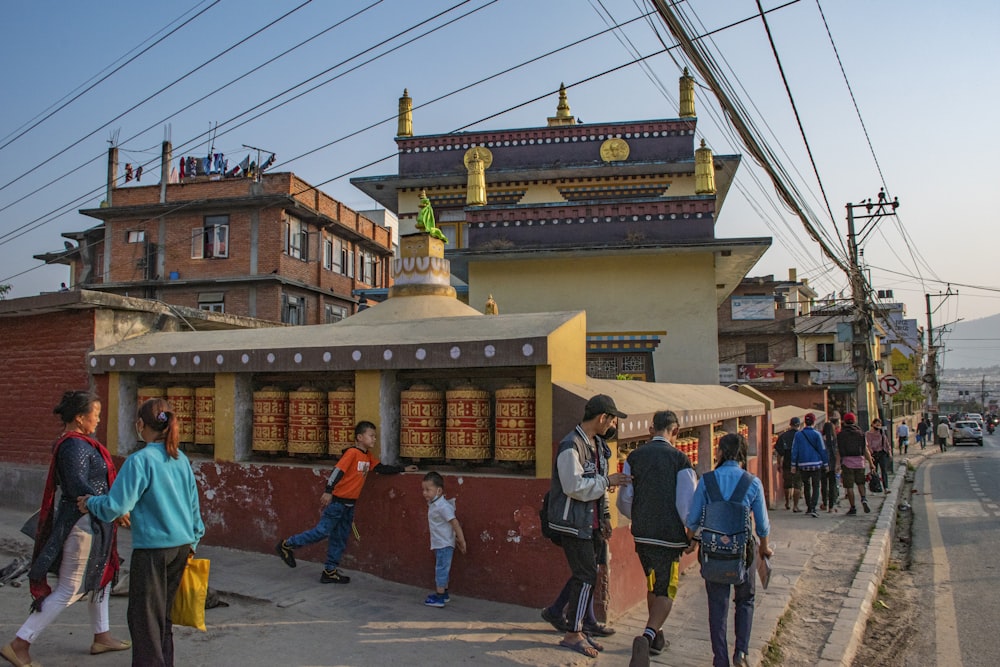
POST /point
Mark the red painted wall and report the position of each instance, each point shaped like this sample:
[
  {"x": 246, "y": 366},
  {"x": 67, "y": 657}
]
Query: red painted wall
[
  {"x": 42, "y": 356},
  {"x": 250, "y": 506}
]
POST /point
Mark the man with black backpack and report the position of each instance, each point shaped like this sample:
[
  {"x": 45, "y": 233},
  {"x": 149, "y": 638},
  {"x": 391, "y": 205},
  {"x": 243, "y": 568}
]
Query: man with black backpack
[{"x": 719, "y": 518}]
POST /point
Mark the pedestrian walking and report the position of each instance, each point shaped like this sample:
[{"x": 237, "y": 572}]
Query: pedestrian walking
[
  {"x": 657, "y": 502},
  {"x": 791, "y": 481},
  {"x": 853, "y": 456},
  {"x": 810, "y": 460},
  {"x": 943, "y": 433},
  {"x": 878, "y": 445},
  {"x": 829, "y": 486},
  {"x": 903, "y": 438}
]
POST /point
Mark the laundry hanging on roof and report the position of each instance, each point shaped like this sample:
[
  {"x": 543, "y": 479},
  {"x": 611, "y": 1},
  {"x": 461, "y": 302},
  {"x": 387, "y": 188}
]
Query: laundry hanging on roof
[
  {"x": 128, "y": 172},
  {"x": 267, "y": 163},
  {"x": 173, "y": 177},
  {"x": 138, "y": 174}
]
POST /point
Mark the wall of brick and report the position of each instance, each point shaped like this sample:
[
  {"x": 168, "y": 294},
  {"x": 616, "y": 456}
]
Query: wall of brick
[{"x": 42, "y": 356}]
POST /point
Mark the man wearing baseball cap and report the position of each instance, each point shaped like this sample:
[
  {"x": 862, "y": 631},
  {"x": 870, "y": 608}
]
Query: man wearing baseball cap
[
  {"x": 853, "y": 455},
  {"x": 578, "y": 509}
]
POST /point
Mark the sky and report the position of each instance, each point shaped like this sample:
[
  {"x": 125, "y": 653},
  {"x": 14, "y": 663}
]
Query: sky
[{"x": 921, "y": 74}]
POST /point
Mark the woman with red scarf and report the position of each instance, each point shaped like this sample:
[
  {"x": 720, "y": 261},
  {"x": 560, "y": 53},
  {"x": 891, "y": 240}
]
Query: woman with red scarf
[{"x": 79, "y": 548}]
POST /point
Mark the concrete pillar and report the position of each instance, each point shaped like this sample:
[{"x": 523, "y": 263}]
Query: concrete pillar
[
  {"x": 706, "y": 448},
  {"x": 121, "y": 413},
  {"x": 233, "y": 405}
]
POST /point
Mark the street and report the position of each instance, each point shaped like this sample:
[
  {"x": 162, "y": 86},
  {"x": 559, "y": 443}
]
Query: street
[{"x": 956, "y": 515}]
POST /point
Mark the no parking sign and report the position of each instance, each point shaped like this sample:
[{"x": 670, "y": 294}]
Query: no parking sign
[{"x": 889, "y": 384}]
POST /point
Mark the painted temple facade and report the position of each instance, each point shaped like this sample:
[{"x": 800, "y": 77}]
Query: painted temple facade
[{"x": 615, "y": 218}]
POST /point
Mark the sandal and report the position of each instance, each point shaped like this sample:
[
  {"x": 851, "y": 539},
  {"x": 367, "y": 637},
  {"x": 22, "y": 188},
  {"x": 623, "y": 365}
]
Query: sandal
[
  {"x": 582, "y": 647},
  {"x": 796, "y": 509},
  {"x": 598, "y": 646}
]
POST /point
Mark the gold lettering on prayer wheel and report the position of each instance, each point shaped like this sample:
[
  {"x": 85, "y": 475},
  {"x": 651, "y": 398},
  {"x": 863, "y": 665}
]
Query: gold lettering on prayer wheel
[
  {"x": 421, "y": 422},
  {"x": 467, "y": 427},
  {"x": 181, "y": 399},
  {"x": 270, "y": 420},
  {"x": 340, "y": 420},
  {"x": 515, "y": 424},
  {"x": 204, "y": 416},
  {"x": 307, "y": 421}
]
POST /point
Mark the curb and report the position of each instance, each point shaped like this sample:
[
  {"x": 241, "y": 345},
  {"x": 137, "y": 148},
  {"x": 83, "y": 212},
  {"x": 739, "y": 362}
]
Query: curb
[{"x": 848, "y": 633}]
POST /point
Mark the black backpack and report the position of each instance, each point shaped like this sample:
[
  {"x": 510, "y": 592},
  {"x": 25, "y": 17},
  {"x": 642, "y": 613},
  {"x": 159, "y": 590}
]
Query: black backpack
[{"x": 726, "y": 533}]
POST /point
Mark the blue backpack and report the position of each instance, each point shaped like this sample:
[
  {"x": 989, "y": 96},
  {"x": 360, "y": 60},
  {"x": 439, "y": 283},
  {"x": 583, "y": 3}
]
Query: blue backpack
[{"x": 726, "y": 533}]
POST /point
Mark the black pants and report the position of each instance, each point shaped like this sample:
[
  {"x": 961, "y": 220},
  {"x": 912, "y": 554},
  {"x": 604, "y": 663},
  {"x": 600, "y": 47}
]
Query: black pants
[
  {"x": 828, "y": 491},
  {"x": 581, "y": 555},
  {"x": 810, "y": 488},
  {"x": 881, "y": 460},
  {"x": 153, "y": 582}
]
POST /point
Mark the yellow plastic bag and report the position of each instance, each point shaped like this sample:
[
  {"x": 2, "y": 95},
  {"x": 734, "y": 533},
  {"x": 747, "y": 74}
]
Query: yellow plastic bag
[{"x": 189, "y": 605}]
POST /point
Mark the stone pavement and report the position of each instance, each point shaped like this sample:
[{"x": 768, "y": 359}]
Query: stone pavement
[{"x": 375, "y": 622}]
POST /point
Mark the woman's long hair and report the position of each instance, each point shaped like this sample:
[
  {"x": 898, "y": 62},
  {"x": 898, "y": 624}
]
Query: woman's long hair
[
  {"x": 73, "y": 404},
  {"x": 157, "y": 415},
  {"x": 732, "y": 447}
]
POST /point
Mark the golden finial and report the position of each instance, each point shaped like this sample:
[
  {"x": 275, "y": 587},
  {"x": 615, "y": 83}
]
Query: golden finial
[
  {"x": 477, "y": 160},
  {"x": 491, "y": 307},
  {"x": 704, "y": 171},
  {"x": 405, "y": 126},
  {"x": 563, "y": 115},
  {"x": 687, "y": 95}
]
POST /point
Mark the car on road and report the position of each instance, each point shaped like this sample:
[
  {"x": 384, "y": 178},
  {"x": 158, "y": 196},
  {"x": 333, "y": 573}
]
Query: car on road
[
  {"x": 967, "y": 431},
  {"x": 975, "y": 417}
]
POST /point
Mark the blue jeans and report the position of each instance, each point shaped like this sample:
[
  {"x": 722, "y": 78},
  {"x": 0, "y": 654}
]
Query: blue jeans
[
  {"x": 334, "y": 525},
  {"x": 718, "y": 610},
  {"x": 442, "y": 566}
]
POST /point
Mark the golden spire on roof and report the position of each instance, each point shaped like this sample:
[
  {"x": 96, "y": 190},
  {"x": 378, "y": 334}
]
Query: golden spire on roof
[
  {"x": 563, "y": 115},
  {"x": 704, "y": 171},
  {"x": 405, "y": 125},
  {"x": 687, "y": 95}
]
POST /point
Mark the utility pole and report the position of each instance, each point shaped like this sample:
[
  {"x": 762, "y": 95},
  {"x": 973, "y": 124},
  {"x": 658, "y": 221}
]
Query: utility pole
[
  {"x": 931, "y": 375},
  {"x": 861, "y": 350}
]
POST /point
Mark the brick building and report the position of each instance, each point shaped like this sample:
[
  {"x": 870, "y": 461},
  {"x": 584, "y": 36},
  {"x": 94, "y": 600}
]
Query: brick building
[{"x": 277, "y": 249}]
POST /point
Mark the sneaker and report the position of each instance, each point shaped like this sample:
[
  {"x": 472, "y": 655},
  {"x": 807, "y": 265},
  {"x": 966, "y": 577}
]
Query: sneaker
[
  {"x": 864, "y": 503},
  {"x": 813, "y": 514},
  {"x": 659, "y": 644},
  {"x": 598, "y": 629},
  {"x": 740, "y": 659},
  {"x": 557, "y": 621},
  {"x": 435, "y": 600},
  {"x": 286, "y": 553},
  {"x": 444, "y": 596},
  {"x": 640, "y": 652},
  {"x": 333, "y": 576},
  {"x": 852, "y": 511}
]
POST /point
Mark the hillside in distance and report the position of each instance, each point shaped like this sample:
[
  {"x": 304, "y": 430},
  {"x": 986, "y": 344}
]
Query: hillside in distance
[{"x": 973, "y": 344}]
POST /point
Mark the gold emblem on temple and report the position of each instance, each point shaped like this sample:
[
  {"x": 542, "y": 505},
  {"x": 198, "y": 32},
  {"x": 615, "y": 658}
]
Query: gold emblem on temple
[
  {"x": 614, "y": 150},
  {"x": 479, "y": 153}
]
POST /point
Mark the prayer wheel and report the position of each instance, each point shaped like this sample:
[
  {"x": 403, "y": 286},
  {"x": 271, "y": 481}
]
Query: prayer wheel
[
  {"x": 204, "y": 416},
  {"x": 270, "y": 420},
  {"x": 340, "y": 420},
  {"x": 467, "y": 427},
  {"x": 515, "y": 424},
  {"x": 181, "y": 399},
  {"x": 145, "y": 393},
  {"x": 307, "y": 421},
  {"x": 421, "y": 423}
]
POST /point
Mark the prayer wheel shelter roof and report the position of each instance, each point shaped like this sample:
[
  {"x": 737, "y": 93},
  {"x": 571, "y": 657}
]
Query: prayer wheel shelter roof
[
  {"x": 694, "y": 404},
  {"x": 366, "y": 343}
]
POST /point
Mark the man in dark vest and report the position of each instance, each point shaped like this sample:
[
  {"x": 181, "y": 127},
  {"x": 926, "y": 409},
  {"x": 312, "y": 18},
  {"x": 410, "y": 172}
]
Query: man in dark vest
[
  {"x": 853, "y": 456},
  {"x": 657, "y": 502},
  {"x": 791, "y": 481}
]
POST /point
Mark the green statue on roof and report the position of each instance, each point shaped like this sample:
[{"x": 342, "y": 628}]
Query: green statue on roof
[{"x": 425, "y": 218}]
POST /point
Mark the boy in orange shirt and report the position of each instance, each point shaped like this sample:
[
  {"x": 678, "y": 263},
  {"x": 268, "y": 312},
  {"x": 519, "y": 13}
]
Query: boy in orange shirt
[{"x": 347, "y": 480}]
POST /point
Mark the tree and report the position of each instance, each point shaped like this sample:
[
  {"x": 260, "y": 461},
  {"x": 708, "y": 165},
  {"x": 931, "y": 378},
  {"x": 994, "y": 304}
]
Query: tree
[{"x": 4, "y": 289}]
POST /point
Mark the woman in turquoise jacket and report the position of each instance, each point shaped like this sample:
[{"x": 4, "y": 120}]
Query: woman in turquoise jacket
[{"x": 156, "y": 485}]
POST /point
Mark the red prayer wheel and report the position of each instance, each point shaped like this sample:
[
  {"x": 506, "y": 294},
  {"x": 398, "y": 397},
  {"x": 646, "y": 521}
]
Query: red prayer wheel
[
  {"x": 306, "y": 421},
  {"x": 340, "y": 420},
  {"x": 467, "y": 427},
  {"x": 515, "y": 424},
  {"x": 270, "y": 420},
  {"x": 181, "y": 400},
  {"x": 204, "y": 416},
  {"x": 421, "y": 423}
]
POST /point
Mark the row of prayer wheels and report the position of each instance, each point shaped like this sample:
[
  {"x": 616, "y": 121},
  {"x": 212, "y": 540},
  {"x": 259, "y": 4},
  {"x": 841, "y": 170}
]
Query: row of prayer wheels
[
  {"x": 305, "y": 421},
  {"x": 458, "y": 424},
  {"x": 688, "y": 445},
  {"x": 194, "y": 408}
]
